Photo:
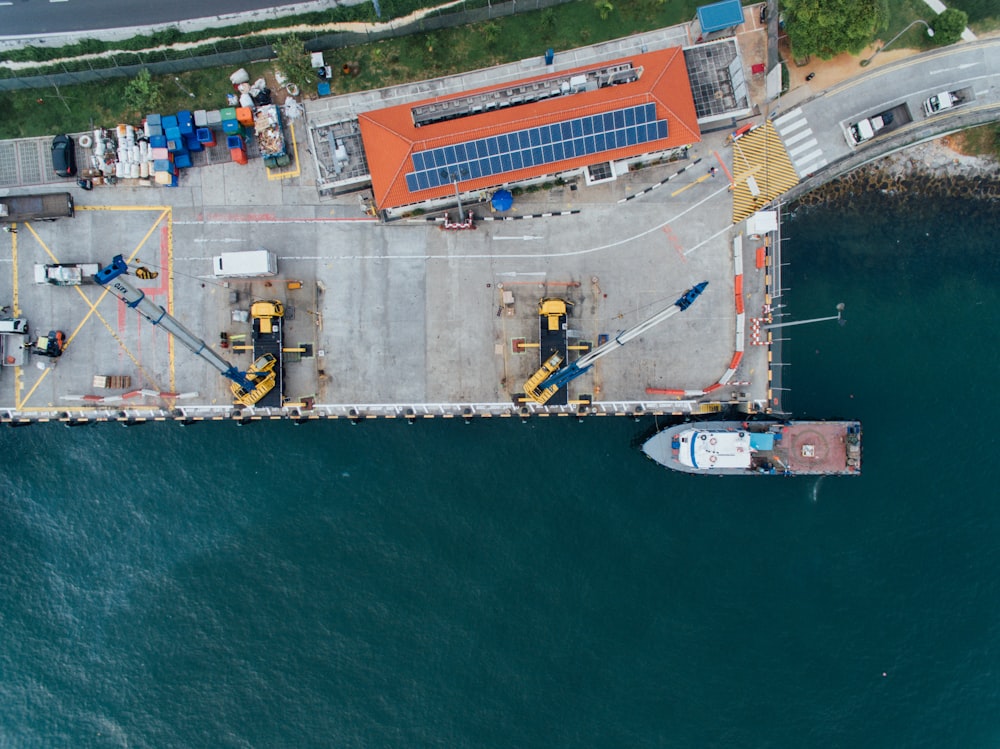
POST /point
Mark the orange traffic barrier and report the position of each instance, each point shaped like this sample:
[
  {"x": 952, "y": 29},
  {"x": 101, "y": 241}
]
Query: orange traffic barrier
[
  {"x": 737, "y": 357},
  {"x": 761, "y": 257},
  {"x": 739, "y": 284},
  {"x": 710, "y": 388},
  {"x": 739, "y": 304}
]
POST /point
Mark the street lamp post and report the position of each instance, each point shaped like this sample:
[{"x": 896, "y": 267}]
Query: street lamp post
[
  {"x": 930, "y": 32},
  {"x": 838, "y": 316}
]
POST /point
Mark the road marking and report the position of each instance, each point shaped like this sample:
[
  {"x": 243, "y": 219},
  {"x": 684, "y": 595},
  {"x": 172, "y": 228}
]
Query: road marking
[
  {"x": 797, "y": 112},
  {"x": 798, "y": 136},
  {"x": 948, "y": 70},
  {"x": 796, "y": 152}
]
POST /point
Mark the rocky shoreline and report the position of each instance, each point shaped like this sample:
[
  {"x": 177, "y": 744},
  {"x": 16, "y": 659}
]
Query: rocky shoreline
[{"x": 926, "y": 170}]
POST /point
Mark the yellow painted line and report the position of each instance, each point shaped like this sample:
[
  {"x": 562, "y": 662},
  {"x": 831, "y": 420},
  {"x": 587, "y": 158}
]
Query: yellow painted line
[
  {"x": 93, "y": 309},
  {"x": 170, "y": 294},
  {"x": 295, "y": 150},
  {"x": 43, "y": 245},
  {"x": 16, "y": 309},
  {"x": 905, "y": 63},
  {"x": 702, "y": 178},
  {"x": 13, "y": 253},
  {"x": 20, "y": 404},
  {"x": 123, "y": 207}
]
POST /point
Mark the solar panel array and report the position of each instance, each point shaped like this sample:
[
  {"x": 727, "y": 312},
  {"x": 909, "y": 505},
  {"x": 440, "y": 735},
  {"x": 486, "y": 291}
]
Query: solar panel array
[{"x": 535, "y": 146}]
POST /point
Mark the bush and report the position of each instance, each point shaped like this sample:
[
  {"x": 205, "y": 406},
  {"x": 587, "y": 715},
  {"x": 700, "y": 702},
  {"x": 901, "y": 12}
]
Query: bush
[
  {"x": 143, "y": 94},
  {"x": 949, "y": 25}
]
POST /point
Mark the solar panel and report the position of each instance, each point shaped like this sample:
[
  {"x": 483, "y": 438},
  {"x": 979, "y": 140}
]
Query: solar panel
[{"x": 536, "y": 146}]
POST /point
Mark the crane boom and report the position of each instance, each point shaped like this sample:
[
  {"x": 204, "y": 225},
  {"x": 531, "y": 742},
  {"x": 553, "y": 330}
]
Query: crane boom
[
  {"x": 111, "y": 278},
  {"x": 569, "y": 373}
]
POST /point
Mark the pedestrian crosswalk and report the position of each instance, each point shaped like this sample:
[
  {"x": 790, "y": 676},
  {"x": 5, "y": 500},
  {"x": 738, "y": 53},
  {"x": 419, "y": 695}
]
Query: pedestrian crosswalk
[
  {"x": 800, "y": 142},
  {"x": 762, "y": 170}
]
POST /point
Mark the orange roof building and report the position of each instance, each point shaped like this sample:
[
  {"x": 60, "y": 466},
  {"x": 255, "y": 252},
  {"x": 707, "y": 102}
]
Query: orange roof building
[{"x": 531, "y": 128}]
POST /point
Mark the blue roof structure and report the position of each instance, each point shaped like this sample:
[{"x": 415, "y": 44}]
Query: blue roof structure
[
  {"x": 535, "y": 146},
  {"x": 720, "y": 16}
]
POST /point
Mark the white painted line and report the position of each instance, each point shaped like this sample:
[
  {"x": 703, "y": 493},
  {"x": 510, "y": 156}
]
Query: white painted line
[
  {"x": 787, "y": 116},
  {"x": 784, "y": 129},
  {"x": 806, "y": 158},
  {"x": 810, "y": 166},
  {"x": 803, "y": 148},
  {"x": 798, "y": 136}
]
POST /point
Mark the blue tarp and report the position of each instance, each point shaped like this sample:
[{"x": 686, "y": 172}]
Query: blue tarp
[
  {"x": 720, "y": 16},
  {"x": 502, "y": 200},
  {"x": 760, "y": 441}
]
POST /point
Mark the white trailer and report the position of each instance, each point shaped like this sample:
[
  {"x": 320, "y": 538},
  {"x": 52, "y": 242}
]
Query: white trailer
[{"x": 247, "y": 264}]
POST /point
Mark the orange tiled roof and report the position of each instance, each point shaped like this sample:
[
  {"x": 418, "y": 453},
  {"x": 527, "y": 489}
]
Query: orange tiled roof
[{"x": 390, "y": 137}]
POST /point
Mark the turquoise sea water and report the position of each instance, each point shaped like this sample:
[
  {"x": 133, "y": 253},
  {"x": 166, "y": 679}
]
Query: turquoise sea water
[{"x": 502, "y": 584}]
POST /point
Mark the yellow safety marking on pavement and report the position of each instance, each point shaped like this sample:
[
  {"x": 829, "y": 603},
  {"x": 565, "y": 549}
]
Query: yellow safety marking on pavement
[
  {"x": 702, "y": 178},
  {"x": 16, "y": 309},
  {"x": 164, "y": 211},
  {"x": 123, "y": 208},
  {"x": 297, "y": 170},
  {"x": 15, "y": 306},
  {"x": 170, "y": 296},
  {"x": 93, "y": 307},
  {"x": 20, "y": 405},
  {"x": 762, "y": 171}
]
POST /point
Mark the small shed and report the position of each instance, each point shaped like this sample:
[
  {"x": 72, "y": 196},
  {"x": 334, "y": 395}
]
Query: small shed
[{"x": 720, "y": 17}]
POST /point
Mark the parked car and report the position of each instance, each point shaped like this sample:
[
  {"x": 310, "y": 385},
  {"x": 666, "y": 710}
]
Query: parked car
[{"x": 63, "y": 156}]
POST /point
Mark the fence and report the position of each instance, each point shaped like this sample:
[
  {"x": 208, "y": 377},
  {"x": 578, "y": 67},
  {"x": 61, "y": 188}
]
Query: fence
[{"x": 255, "y": 51}]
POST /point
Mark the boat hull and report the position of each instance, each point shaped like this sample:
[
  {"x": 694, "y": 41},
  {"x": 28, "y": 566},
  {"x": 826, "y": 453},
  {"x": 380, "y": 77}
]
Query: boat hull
[{"x": 760, "y": 448}]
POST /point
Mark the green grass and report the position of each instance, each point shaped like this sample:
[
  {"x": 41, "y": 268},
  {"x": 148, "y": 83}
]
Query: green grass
[
  {"x": 384, "y": 63},
  {"x": 82, "y": 107},
  {"x": 984, "y": 139},
  {"x": 400, "y": 60}
]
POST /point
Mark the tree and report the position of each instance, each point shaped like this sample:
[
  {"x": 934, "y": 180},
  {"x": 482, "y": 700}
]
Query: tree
[
  {"x": 828, "y": 27},
  {"x": 293, "y": 61},
  {"x": 143, "y": 94},
  {"x": 949, "y": 25}
]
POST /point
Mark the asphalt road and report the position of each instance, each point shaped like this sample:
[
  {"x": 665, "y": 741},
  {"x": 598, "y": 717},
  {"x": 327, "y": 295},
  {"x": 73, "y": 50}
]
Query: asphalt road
[{"x": 30, "y": 18}]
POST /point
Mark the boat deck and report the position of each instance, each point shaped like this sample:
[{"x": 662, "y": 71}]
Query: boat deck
[{"x": 815, "y": 447}]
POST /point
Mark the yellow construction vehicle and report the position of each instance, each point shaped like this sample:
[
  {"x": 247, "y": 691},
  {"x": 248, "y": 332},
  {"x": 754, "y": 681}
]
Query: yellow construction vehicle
[
  {"x": 261, "y": 375},
  {"x": 549, "y": 367},
  {"x": 553, "y": 311},
  {"x": 267, "y": 311}
]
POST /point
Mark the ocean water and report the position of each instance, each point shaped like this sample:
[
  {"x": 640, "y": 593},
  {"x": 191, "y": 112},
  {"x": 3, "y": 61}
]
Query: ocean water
[{"x": 501, "y": 584}]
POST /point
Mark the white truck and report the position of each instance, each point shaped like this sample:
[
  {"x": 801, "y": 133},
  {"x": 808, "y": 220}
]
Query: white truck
[
  {"x": 66, "y": 274},
  {"x": 947, "y": 100},
  {"x": 247, "y": 264},
  {"x": 866, "y": 129}
]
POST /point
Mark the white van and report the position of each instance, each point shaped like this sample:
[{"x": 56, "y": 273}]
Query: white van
[{"x": 248, "y": 264}]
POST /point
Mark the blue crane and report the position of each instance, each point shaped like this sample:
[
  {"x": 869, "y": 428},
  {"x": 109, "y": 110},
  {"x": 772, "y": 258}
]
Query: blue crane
[
  {"x": 112, "y": 278},
  {"x": 543, "y": 391}
]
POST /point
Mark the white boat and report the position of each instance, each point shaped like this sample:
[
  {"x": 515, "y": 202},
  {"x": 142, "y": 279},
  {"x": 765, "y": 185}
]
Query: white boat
[{"x": 735, "y": 448}]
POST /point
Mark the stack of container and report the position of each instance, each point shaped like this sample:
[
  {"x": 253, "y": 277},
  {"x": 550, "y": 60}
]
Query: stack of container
[
  {"x": 172, "y": 138},
  {"x": 230, "y": 125},
  {"x": 132, "y": 155},
  {"x": 237, "y": 148}
]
